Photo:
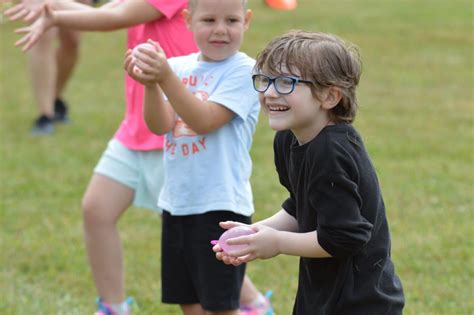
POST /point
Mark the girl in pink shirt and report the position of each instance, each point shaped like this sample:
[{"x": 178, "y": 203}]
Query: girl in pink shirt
[{"x": 130, "y": 171}]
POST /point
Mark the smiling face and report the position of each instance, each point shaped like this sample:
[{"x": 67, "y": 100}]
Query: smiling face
[
  {"x": 332, "y": 65},
  {"x": 300, "y": 111},
  {"x": 218, "y": 27}
]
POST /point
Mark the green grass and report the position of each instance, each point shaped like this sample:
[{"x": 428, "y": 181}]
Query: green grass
[{"x": 416, "y": 117}]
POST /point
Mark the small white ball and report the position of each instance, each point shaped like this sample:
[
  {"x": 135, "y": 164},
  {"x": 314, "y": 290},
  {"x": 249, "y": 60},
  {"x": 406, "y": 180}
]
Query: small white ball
[{"x": 145, "y": 46}]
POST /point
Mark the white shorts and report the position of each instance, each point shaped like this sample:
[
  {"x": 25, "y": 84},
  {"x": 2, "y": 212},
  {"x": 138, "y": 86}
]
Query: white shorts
[{"x": 142, "y": 171}]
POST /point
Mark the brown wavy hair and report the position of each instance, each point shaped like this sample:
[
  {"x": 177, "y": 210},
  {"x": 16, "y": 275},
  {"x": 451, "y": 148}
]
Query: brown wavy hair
[{"x": 322, "y": 58}]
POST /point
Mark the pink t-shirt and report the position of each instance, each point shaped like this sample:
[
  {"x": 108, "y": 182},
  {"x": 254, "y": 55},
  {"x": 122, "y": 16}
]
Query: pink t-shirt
[{"x": 175, "y": 38}]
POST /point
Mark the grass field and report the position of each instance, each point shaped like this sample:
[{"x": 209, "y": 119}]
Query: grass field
[{"x": 416, "y": 116}]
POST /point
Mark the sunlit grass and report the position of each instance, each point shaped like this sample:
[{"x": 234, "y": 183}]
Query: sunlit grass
[{"x": 416, "y": 117}]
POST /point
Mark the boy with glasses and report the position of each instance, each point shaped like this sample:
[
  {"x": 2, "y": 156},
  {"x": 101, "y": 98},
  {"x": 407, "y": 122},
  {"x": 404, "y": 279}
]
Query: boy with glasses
[{"x": 334, "y": 217}]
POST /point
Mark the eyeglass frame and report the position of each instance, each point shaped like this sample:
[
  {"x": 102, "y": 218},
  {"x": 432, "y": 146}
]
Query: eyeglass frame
[{"x": 271, "y": 81}]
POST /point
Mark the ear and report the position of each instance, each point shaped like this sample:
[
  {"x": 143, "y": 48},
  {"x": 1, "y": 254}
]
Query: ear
[
  {"x": 247, "y": 18},
  {"x": 332, "y": 97},
  {"x": 187, "y": 15}
]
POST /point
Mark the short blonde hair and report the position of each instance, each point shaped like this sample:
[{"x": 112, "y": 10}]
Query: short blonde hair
[
  {"x": 193, "y": 3},
  {"x": 322, "y": 58}
]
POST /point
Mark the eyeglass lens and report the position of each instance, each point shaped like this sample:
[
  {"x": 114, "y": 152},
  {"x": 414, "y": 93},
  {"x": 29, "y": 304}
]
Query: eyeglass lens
[{"x": 283, "y": 85}]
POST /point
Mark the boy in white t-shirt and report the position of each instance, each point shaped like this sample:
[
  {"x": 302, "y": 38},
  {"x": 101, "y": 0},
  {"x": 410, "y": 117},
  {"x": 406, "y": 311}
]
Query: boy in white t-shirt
[{"x": 205, "y": 105}]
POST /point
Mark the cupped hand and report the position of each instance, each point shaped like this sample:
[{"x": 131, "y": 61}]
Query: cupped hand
[
  {"x": 134, "y": 72},
  {"x": 263, "y": 244},
  {"x": 153, "y": 63},
  {"x": 230, "y": 224}
]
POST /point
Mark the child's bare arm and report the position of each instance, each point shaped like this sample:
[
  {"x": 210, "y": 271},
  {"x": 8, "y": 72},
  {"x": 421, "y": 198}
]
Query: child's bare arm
[
  {"x": 107, "y": 17},
  {"x": 275, "y": 235},
  {"x": 268, "y": 242},
  {"x": 201, "y": 116},
  {"x": 281, "y": 221},
  {"x": 158, "y": 114},
  {"x": 301, "y": 244},
  {"x": 81, "y": 17}
]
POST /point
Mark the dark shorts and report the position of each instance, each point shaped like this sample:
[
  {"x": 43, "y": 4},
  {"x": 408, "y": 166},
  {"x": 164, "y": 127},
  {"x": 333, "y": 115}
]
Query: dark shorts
[{"x": 190, "y": 272}]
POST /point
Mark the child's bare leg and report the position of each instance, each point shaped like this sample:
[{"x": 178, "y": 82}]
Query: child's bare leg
[
  {"x": 252, "y": 301},
  {"x": 104, "y": 202},
  {"x": 192, "y": 309},
  {"x": 249, "y": 292}
]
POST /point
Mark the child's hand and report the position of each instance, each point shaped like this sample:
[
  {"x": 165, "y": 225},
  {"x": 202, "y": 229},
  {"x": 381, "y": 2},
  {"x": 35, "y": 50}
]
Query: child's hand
[
  {"x": 229, "y": 260},
  {"x": 230, "y": 224},
  {"x": 27, "y": 10},
  {"x": 37, "y": 29},
  {"x": 263, "y": 244},
  {"x": 225, "y": 258},
  {"x": 153, "y": 63},
  {"x": 132, "y": 70},
  {"x": 220, "y": 254}
]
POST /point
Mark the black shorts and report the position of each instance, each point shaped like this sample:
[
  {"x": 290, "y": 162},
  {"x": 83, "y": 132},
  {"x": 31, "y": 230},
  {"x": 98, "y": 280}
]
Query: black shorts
[{"x": 190, "y": 272}]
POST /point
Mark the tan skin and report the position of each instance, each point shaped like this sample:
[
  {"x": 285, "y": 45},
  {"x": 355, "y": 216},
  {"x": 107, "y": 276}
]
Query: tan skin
[{"x": 109, "y": 17}]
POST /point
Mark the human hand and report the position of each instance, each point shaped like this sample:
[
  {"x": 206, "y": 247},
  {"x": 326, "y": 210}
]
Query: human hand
[
  {"x": 152, "y": 62},
  {"x": 220, "y": 254},
  {"x": 263, "y": 244},
  {"x": 226, "y": 258},
  {"x": 130, "y": 65},
  {"x": 37, "y": 29},
  {"x": 27, "y": 10}
]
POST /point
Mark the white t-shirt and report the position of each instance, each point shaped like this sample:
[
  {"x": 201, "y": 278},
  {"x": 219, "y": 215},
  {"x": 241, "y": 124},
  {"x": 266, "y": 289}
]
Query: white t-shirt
[{"x": 211, "y": 171}]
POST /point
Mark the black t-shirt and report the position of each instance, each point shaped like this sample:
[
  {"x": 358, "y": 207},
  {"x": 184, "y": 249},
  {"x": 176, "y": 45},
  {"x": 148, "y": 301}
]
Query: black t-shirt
[{"x": 334, "y": 190}]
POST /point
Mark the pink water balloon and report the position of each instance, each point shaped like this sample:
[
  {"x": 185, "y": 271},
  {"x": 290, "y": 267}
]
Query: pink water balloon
[{"x": 236, "y": 231}]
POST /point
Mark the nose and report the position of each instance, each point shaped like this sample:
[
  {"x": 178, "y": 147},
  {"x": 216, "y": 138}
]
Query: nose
[
  {"x": 220, "y": 28},
  {"x": 271, "y": 91}
]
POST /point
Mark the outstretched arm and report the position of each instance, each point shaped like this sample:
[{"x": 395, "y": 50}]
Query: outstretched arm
[
  {"x": 30, "y": 10},
  {"x": 107, "y": 17},
  {"x": 84, "y": 18}
]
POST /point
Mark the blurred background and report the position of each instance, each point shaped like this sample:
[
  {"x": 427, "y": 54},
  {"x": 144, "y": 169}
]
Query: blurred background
[{"x": 416, "y": 116}]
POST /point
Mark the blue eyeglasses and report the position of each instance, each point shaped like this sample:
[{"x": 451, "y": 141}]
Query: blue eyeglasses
[{"x": 283, "y": 84}]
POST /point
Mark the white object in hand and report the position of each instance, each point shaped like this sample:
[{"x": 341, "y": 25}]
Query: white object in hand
[{"x": 135, "y": 52}]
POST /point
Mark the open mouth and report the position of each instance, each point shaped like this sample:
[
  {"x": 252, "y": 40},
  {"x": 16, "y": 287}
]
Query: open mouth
[{"x": 278, "y": 108}]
